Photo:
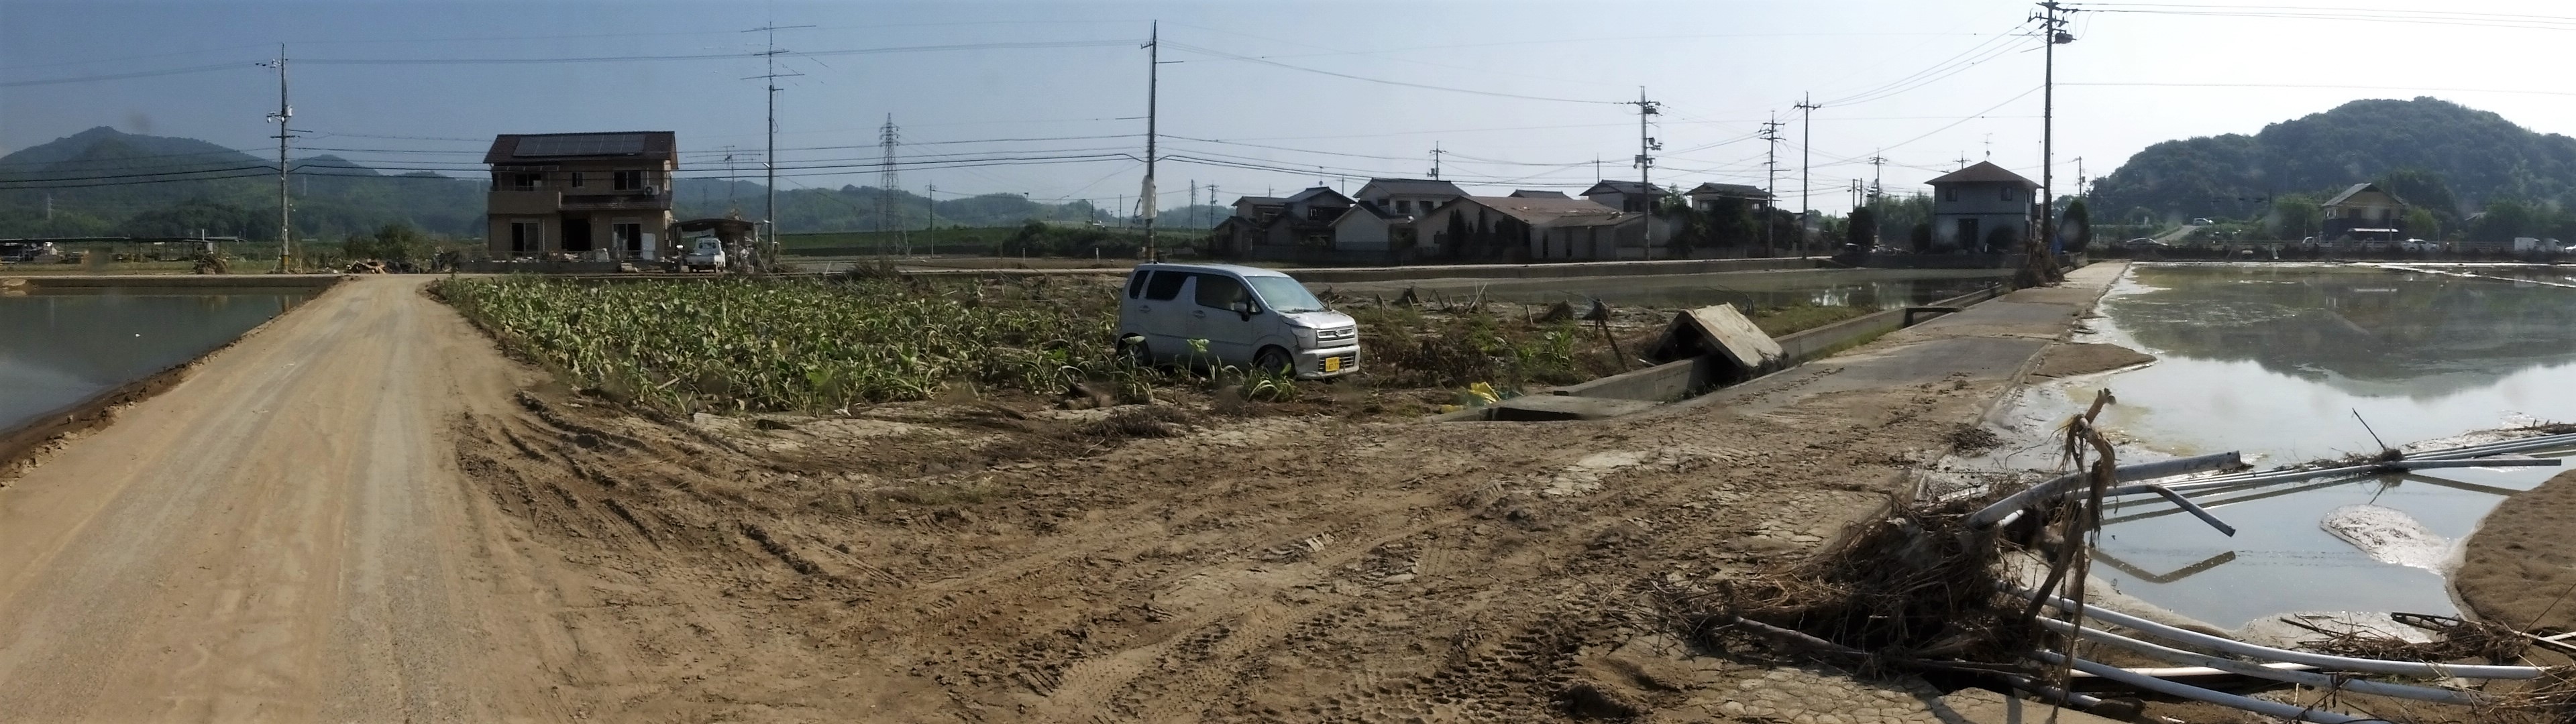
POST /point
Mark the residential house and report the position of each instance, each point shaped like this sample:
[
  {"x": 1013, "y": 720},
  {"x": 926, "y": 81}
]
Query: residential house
[
  {"x": 1528, "y": 194},
  {"x": 2363, "y": 211},
  {"x": 1982, "y": 209},
  {"x": 1408, "y": 196},
  {"x": 1709, "y": 196},
  {"x": 597, "y": 195},
  {"x": 1623, "y": 195},
  {"x": 1306, "y": 218},
  {"x": 1533, "y": 229},
  {"x": 1298, "y": 227},
  {"x": 1369, "y": 227}
]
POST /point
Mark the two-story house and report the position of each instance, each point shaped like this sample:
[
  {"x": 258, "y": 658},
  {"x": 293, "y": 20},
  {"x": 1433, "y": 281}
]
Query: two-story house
[
  {"x": 1408, "y": 196},
  {"x": 2363, "y": 211},
  {"x": 595, "y": 195},
  {"x": 1623, "y": 195},
  {"x": 1710, "y": 196},
  {"x": 1982, "y": 209}
]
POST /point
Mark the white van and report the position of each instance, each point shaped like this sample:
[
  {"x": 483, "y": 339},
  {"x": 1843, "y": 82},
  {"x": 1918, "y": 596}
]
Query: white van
[{"x": 1249, "y": 316}]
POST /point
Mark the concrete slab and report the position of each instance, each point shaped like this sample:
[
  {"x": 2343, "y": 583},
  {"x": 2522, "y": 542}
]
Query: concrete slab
[
  {"x": 1537, "y": 408},
  {"x": 1979, "y": 706},
  {"x": 1723, "y": 330}
]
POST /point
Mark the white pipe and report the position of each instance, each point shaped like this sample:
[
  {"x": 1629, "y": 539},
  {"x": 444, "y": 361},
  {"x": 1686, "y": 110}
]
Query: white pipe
[
  {"x": 2194, "y": 693},
  {"x": 2275, "y": 672},
  {"x": 2240, "y": 648},
  {"x": 2034, "y": 495}
]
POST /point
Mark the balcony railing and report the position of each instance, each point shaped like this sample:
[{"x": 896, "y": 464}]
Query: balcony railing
[{"x": 618, "y": 200}]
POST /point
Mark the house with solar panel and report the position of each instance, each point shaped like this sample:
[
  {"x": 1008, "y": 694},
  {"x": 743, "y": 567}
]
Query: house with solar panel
[{"x": 589, "y": 196}]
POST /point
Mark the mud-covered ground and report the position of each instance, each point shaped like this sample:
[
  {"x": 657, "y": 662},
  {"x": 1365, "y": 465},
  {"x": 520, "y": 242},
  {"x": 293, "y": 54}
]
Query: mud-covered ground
[{"x": 948, "y": 563}]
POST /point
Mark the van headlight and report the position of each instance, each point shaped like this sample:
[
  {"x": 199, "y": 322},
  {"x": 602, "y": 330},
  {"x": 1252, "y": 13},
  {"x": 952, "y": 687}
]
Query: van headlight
[{"x": 1306, "y": 338}]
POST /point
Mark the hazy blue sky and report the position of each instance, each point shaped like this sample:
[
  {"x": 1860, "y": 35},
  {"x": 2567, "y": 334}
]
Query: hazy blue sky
[{"x": 1720, "y": 68}]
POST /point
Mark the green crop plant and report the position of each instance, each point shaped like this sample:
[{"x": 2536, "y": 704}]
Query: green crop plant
[{"x": 797, "y": 344}]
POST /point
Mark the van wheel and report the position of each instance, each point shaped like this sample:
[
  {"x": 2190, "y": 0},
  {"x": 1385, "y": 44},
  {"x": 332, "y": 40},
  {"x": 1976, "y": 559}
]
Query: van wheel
[
  {"x": 1135, "y": 353},
  {"x": 1273, "y": 359}
]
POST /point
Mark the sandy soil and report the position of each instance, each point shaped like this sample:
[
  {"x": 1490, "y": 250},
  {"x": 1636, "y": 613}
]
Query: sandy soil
[
  {"x": 282, "y": 536},
  {"x": 2520, "y": 565},
  {"x": 2084, "y": 358},
  {"x": 367, "y": 514}
]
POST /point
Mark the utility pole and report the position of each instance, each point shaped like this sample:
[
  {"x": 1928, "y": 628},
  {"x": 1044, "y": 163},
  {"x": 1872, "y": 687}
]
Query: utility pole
[
  {"x": 1646, "y": 146},
  {"x": 1435, "y": 160},
  {"x": 930, "y": 198},
  {"x": 731, "y": 200},
  {"x": 2053, "y": 33},
  {"x": 1877, "y": 173},
  {"x": 1153, "y": 90},
  {"x": 1806, "y": 157},
  {"x": 1771, "y": 182},
  {"x": 769, "y": 159},
  {"x": 1194, "y": 200},
  {"x": 283, "y": 117},
  {"x": 886, "y": 177}
]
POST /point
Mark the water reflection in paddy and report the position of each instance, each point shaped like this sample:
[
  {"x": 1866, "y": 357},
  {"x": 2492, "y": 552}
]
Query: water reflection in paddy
[
  {"x": 2275, "y": 361},
  {"x": 60, "y": 347}
]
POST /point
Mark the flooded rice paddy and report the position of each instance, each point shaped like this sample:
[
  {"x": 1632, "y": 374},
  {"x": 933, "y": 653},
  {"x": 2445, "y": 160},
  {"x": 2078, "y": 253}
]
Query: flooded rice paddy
[
  {"x": 59, "y": 347},
  {"x": 2284, "y": 363}
]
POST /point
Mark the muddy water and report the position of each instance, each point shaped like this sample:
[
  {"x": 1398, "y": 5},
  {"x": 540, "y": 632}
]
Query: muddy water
[
  {"x": 2275, "y": 361},
  {"x": 60, "y": 347}
]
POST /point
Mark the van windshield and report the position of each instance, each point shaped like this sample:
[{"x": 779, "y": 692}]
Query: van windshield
[{"x": 1284, "y": 295}]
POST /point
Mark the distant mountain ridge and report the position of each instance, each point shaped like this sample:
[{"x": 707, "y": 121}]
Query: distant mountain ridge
[
  {"x": 2480, "y": 156},
  {"x": 87, "y": 184}
]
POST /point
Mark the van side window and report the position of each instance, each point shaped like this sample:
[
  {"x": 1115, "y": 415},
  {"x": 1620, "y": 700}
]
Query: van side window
[
  {"x": 1220, "y": 291},
  {"x": 1136, "y": 284},
  {"x": 1165, "y": 285}
]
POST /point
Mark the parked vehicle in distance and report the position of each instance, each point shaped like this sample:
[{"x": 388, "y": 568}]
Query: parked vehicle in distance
[
  {"x": 2417, "y": 246},
  {"x": 1224, "y": 314},
  {"x": 2376, "y": 244},
  {"x": 705, "y": 252},
  {"x": 2202, "y": 222}
]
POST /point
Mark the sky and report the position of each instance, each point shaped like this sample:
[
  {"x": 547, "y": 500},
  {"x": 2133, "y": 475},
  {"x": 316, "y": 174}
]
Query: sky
[{"x": 1048, "y": 98}]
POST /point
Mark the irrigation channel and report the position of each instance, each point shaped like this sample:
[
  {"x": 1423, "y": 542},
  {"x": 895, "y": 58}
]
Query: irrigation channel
[
  {"x": 2286, "y": 364},
  {"x": 63, "y": 345}
]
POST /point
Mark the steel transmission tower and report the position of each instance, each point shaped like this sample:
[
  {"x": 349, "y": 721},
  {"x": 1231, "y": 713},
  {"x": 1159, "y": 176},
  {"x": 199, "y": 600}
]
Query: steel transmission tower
[{"x": 886, "y": 181}]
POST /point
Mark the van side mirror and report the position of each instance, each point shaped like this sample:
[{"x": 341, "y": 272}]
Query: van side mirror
[{"x": 1242, "y": 307}]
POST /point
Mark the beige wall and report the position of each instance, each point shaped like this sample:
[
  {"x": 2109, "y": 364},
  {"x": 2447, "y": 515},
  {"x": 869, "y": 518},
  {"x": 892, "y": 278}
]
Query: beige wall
[{"x": 506, "y": 204}]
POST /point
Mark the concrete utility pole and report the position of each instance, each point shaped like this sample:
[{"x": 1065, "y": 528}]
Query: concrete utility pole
[
  {"x": 1153, "y": 91},
  {"x": 1646, "y": 146},
  {"x": 1806, "y": 155},
  {"x": 769, "y": 159},
  {"x": 1435, "y": 160},
  {"x": 1877, "y": 173},
  {"x": 2053, "y": 32},
  {"x": 1771, "y": 182},
  {"x": 283, "y": 118}
]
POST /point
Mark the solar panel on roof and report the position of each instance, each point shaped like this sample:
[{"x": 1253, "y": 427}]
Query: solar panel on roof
[{"x": 587, "y": 144}]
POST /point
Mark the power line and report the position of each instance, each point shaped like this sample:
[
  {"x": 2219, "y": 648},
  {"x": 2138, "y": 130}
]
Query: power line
[{"x": 1424, "y": 86}]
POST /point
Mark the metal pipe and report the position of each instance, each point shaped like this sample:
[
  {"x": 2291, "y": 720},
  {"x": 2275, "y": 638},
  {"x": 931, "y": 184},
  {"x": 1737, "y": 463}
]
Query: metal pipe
[
  {"x": 2050, "y": 489},
  {"x": 2240, "y": 648},
  {"x": 2194, "y": 693},
  {"x": 2274, "y": 672},
  {"x": 2193, "y": 508},
  {"x": 2228, "y": 482}
]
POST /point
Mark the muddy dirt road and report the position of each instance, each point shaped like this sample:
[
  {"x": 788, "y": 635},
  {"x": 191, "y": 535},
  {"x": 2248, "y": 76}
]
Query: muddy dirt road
[{"x": 283, "y": 536}]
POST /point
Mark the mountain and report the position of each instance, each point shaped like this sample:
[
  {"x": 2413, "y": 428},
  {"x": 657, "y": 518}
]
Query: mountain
[
  {"x": 2478, "y": 155},
  {"x": 101, "y": 182}
]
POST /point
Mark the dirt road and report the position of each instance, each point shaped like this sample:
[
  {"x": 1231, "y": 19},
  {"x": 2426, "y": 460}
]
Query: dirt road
[{"x": 283, "y": 536}]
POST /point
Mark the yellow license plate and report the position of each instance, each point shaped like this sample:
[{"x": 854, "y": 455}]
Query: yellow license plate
[{"x": 1332, "y": 364}]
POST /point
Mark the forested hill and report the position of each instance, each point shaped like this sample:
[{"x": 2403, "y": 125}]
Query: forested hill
[
  {"x": 101, "y": 182},
  {"x": 2479, "y": 155}
]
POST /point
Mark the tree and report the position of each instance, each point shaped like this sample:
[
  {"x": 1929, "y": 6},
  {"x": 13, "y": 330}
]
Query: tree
[
  {"x": 2420, "y": 224},
  {"x": 2294, "y": 216},
  {"x": 2422, "y": 189},
  {"x": 2075, "y": 229},
  {"x": 2505, "y": 219},
  {"x": 1922, "y": 237},
  {"x": 1862, "y": 228},
  {"x": 1455, "y": 237}
]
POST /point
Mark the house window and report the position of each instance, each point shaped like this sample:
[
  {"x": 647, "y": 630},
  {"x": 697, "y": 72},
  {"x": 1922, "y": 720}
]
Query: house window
[
  {"x": 526, "y": 181},
  {"x": 628, "y": 236},
  {"x": 629, "y": 181},
  {"x": 1950, "y": 194},
  {"x": 1404, "y": 207},
  {"x": 576, "y": 179},
  {"x": 2006, "y": 193},
  {"x": 527, "y": 237}
]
